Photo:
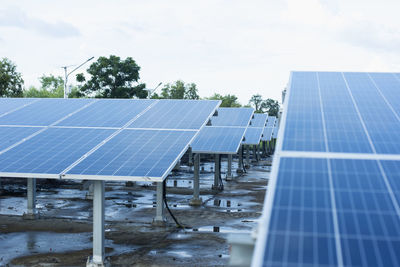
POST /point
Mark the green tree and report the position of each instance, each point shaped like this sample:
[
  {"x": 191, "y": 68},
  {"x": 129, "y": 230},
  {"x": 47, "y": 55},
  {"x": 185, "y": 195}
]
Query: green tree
[
  {"x": 256, "y": 102},
  {"x": 11, "y": 82},
  {"x": 178, "y": 90},
  {"x": 51, "y": 86},
  {"x": 112, "y": 78},
  {"x": 270, "y": 106},
  {"x": 227, "y": 100}
]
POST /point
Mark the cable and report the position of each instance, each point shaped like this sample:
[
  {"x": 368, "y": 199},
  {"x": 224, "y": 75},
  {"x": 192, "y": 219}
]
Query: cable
[{"x": 166, "y": 205}]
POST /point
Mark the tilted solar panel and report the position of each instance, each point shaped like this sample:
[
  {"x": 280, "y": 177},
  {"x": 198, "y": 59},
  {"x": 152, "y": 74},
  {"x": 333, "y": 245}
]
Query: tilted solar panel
[
  {"x": 267, "y": 134},
  {"x": 11, "y": 104},
  {"x": 218, "y": 140},
  {"x": 176, "y": 114},
  {"x": 108, "y": 113},
  {"x": 233, "y": 117},
  {"x": 333, "y": 196},
  {"x": 259, "y": 120},
  {"x": 271, "y": 121},
  {"x": 253, "y": 135},
  {"x": 12, "y": 135}
]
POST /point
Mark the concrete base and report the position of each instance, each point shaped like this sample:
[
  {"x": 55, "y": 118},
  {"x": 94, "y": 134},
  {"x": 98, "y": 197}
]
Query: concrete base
[
  {"x": 30, "y": 216},
  {"x": 90, "y": 263},
  {"x": 196, "y": 202},
  {"x": 159, "y": 222}
]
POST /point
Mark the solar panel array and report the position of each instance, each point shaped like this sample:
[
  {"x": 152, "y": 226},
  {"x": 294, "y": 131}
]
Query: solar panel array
[
  {"x": 269, "y": 129},
  {"x": 255, "y": 130},
  {"x": 226, "y": 133},
  {"x": 97, "y": 138},
  {"x": 334, "y": 191}
]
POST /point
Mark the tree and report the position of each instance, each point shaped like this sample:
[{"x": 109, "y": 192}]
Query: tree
[
  {"x": 112, "y": 78},
  {"x": 227, "y": 100},
  {"x": 270, "y": 106},
  {"x": 178, "y": 90},
  {"x": 51, "y": 86},
  {"x": 256, "y": 102},
  {"x": 11, "y": 82}
]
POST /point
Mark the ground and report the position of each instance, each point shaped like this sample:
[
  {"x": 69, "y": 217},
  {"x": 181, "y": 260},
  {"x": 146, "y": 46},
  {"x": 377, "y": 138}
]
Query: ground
[{"x": 62, "y": 234}]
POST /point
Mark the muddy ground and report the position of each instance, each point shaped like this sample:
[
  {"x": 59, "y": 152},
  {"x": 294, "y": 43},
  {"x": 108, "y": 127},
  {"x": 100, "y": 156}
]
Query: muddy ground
[{"x": 62, "y": 234}]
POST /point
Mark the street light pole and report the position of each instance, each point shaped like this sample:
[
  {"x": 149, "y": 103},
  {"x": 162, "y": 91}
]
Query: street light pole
[
  {"x": 67, "y": 74},
  {"x": 152, "y": 91}
]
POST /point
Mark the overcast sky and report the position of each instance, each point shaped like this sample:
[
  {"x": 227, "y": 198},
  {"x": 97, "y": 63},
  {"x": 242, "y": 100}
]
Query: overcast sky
[{"x": 227, "y": 46}]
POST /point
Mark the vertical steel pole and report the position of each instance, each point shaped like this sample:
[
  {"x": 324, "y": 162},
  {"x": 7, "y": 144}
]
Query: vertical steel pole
[
  {"x": 98, "y": 222},
  {"x": 229, "y": 174},
  {"x": 196, "y": 200},
  {"x": 31, "y": 195},
  {"x": 217, "y": 172},
  {"x": 248, "y": 155},
  {"x": 160, "y": 218}
]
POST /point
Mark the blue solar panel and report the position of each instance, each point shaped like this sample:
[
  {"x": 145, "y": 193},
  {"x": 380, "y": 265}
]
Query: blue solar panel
[
  {"x": 267, "y": 134},
  {"x": 271, "y": 121},
  {"x": 275, "y": 132},
  {"x": 135, "y": 153},
  {"x": 11, "y": 135},
  {"x": 11, "y": 104},
  {"x": 108, "y": 113},
  {"x": 233, "y": 117},
  {"x": 176, "y": 114},
  {"x": 259, "y": 120},
  {"x": 51, "y": 151},
  {"x": 340, "y": 206},
  {"x": 44, "y": 112},
  {"x": 253, "y": 135},
  {"x": 218, "y": 140}
]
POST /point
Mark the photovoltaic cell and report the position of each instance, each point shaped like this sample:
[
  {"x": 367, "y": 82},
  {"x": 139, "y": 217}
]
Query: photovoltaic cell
[
  {"x": 108, "y": 113},
  {"x": 339, "y": 207},
  {"x": 253, "y": 135},
  {"x": 271, "y": 121},
  {"x": 51, "y": 151},
  {"x": 9, "y": 104},
  {"x": 267, "y": 134},
  {"x": 218, "y": 140},
  {"x": 259, "y": 120},
  {"x": 11, "y": 135},
  {"x": 44, "y": 112},
  {"x": 233, "y": 117},
  {"x": 176, "y": 114},
  {"x": 135, "y": 153}
]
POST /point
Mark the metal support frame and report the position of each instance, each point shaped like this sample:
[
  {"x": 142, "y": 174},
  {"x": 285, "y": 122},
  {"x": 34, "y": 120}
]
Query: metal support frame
[
  {"x": 196, "y": 200},
  {"x": 98, "y": 257},
  {"x": 190, "y": 162},
  {"x": 240, "y": 163},
  {"x": 31, "y": 212},
  {"x": 255, "y": 157},
  {"x": 160, "y": 219},
  {"x": 264, "y": 149},
  {"x": 229, "y": 175},
  {"x": 247, "y": 156},
  {"x": 217, "y": 172},
  {"x": 258, "y": 152}
]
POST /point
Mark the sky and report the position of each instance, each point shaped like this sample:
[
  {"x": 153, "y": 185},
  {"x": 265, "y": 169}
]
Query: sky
[{"x": 224, "y": 46}]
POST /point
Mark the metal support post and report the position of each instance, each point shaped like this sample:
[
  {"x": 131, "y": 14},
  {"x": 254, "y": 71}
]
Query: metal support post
[
  {"x": 160, "y": 219},
  {"x": 240, "y": 163},
  {"x": 31, "y": 212},
  {"x": 196, "y": 200},
  {"x": 247, "y": 156},
  {"x": 229, "y": 175},
  {"x": 264, "y": 149},
  {"x": 217, "y": 172},
  {"x": 255, "y": 159},
  {"x": 190, "y": 156},
  {"x": 98, "y": 257}
]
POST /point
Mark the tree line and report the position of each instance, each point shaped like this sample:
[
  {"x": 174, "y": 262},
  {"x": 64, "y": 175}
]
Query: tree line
[{"x": 113, "y": 77}]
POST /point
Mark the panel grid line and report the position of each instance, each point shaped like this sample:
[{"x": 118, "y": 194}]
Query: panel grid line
[
  {"x": 18, "y": 108},
  {"x": 331, "y": 192}
]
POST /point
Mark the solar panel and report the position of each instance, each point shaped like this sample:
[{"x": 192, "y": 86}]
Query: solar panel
[
  {"x": 108, "y": 113},
  {"x": 218, "y": 140},
  {"x": 275, "y": 132},
  {"x": 11, "y": 135},
  {"x": 11, "y": 104},
  {"x": 50, "y": 152},
  {"x": 333, "y": 196},
  {"x": 253, "y": 135},
  {"x": 233, "y": 117},
  {"x": 135, "y": 154},
  {"x": 44, "y": 112},
  {"x": 176, "y": 114},
  {"x": 259, "y": 120},
  {"x": 271, "y": 121},
  {"x": 267, "y": 134},
  {"x": 78, "y": 135}
]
